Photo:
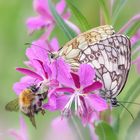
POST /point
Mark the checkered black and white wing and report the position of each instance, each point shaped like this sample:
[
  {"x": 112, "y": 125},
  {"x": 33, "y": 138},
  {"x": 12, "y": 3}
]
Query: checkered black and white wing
[{"x": 111, "y": 57}]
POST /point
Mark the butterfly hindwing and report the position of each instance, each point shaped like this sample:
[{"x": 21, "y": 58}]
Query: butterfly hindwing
[{"x": 111, "y": 58}]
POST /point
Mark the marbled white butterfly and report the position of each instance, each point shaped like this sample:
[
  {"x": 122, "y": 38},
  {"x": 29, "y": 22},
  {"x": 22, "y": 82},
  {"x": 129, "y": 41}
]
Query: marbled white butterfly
[{"x": 108, "y": 52}]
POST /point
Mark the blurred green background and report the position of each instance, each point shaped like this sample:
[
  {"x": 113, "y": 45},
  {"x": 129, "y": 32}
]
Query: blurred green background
[{"x": 13, "y": 36}]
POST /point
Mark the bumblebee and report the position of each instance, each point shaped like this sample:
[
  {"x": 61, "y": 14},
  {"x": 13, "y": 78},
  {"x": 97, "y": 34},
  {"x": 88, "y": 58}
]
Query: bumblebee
[{"x": 29, "y": 102}]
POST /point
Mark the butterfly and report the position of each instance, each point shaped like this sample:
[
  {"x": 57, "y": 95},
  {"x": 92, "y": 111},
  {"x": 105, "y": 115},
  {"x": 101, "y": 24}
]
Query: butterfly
[{"x": 107, "y": 52}]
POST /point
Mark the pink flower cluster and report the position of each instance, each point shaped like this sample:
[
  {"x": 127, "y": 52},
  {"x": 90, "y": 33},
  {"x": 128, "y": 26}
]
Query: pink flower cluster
[{"x": 72, "y": 93}]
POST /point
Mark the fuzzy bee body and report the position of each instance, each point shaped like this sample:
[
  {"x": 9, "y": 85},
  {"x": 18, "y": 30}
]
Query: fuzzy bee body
[{"x": 29, "y": 102}]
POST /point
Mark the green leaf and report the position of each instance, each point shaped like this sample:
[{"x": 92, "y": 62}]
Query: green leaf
[
  {"x": 133, "y": 130},
  {"x": 118, "y": 6},
  {"x": 60, "y": 22},
  {"x": 105, "y": 10},
  {"x": 79, "y": 16},
  {"x": 105, "y": 131}
]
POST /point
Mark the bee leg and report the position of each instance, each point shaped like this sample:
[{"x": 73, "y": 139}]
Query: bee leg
[{"x": 42, "y": 112}]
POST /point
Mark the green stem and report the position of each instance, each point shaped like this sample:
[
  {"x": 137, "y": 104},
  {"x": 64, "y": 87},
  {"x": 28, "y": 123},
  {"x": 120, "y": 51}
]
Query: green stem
[{"x": 77, "y": 128}]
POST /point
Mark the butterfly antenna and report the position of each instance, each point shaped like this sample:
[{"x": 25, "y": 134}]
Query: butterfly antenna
[
  {"x": 129, "y": 102},
  {"x": 37, "y": 46},
  {"x": 127, "y": 110}
]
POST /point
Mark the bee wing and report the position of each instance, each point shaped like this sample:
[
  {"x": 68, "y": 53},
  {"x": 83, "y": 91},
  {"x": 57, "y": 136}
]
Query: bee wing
[{"x": 12, "y": 105}]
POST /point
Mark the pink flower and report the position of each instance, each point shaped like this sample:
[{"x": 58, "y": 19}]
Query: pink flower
[
  {"x": 45, "y": 18},
  {"x": 60, "y": 129},
  {"x": 41, "y": 70},
  {"x": 79, "y": 88},
  {"x": 20, "y": 134}
]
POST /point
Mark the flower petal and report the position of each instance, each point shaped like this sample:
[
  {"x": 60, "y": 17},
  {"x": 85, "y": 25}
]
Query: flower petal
[
  {"x": 137, "y": 64},
  {"x": 65, "y": 89},
  {"x": 43, "y": 68},
  {"x": 54, "y": 44},
  {"x": 73, "y": 26},
  {"x": 38, "y": 50},
  {"x": 92, "y": 87},
  {"x": 51, "y": 105},
  {"x": 62, "y": 101},
  {"x": 96, "y": 102},
  {"x": 25, "y": 82},
  {"x": 35, "y": 23},
  {"x": 63, "y": 73},
  {"x": 41, "y": 6},
  {"x": 76, "y": 80},
  {"x": 60, "y": 6},
  {"x": 29, "y": 73},
  {"x": 86, "y": 74},
  {"x": 20, "y": 134},
  {"x": 60, "y": 130},
  {"x": 56, "y": 102},
  {"x": 135, "y": 38}
]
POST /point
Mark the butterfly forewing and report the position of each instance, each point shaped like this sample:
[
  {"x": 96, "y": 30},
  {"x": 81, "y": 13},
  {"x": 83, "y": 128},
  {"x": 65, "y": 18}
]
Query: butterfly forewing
[
  {"x": 74, "y": 47},
  {"x": 107, "y": 52}
]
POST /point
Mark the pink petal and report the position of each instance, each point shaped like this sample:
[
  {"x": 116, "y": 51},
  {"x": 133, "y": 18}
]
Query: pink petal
[
  {"x": 38, "y": 50},
  {"x": 65, "y": 89},
  {"x": 96, "y": 102},
  {"x": 66, "y": 15},
  {"x": 63, "y": 73},
  {"x": 60, "y": 129},
  {"x": 44, "y": 69},
  {"x": 135, "y": 38},
  {"x": 29, "y": 73},
  {"x": 93, "y": 134},
  {"x": 90, "y": 117},
  {"x": 15, "y": 134},
  {"x": 23, "y": 128},
  {"x": 51, "y": 105},
  {"x": 56, "y": 102},
  {"x": 20, "y": 134},
  {"x": 41, "y": 6},
  {"x": 86, "y": 74},
  {"x": 76, "y": 80},
  {"x": 25, "y": 82},
  {"x": 54, "y": 44},
  {"x": 73, "y": 26},
  {"x": 92, "y": 87},
  {"x": 36, "y": 23},
  {"x": 137, "y": 64},
  {"x": 62, "y": 101},
  {"x": 60, "y": 6}
]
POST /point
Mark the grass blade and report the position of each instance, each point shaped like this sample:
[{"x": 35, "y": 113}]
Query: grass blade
[
  {"x": 60, "y": 22},
  {"x": 135, "y": 89},
  {"x": 79, "y": 16},
  {"x": 133, "y": 130},
  {"x": 133, "y": 29},
  {"x": 105, "y": 10},
  {"x": 117, "y": 9}
]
